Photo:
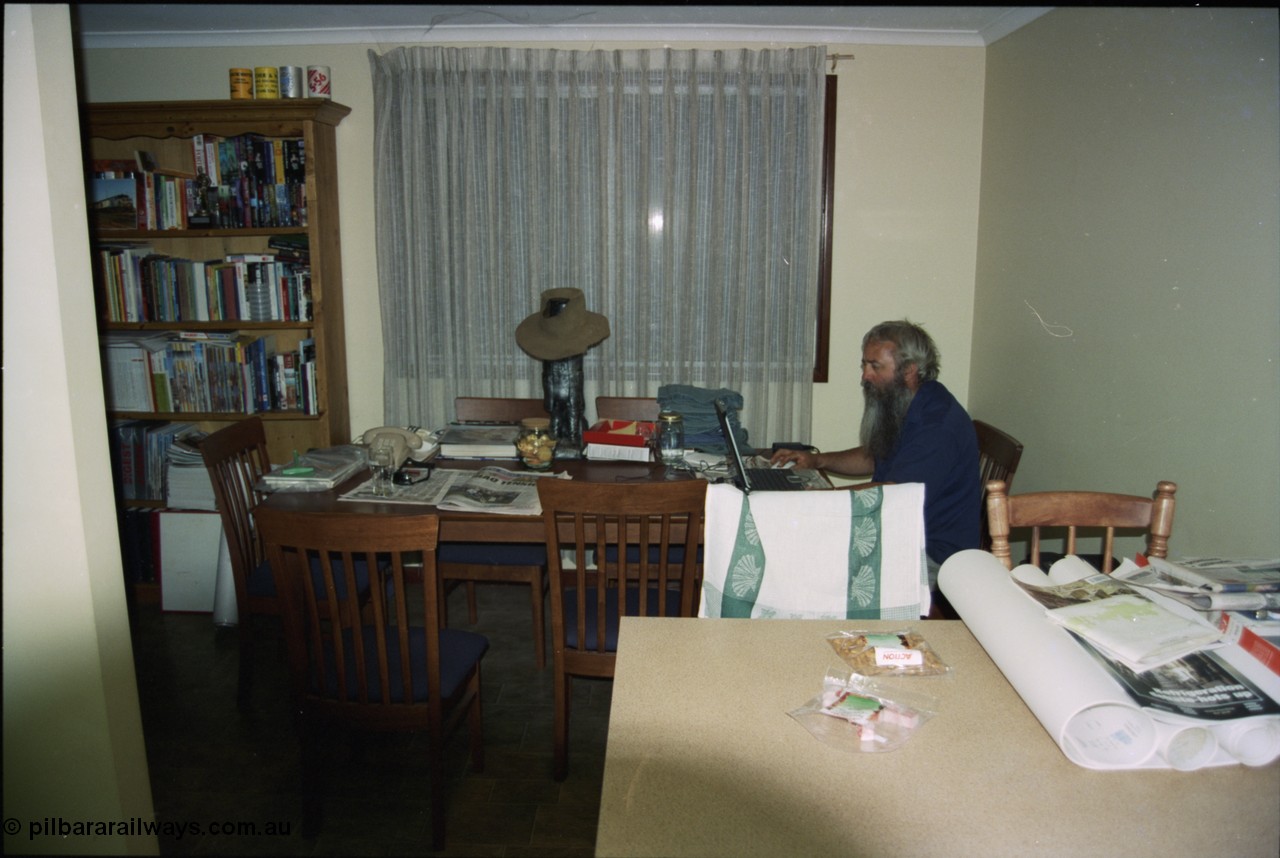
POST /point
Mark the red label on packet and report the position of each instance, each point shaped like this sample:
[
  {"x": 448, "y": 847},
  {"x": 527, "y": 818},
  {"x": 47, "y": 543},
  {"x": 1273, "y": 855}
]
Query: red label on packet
[{"x": 887, "y": 655}]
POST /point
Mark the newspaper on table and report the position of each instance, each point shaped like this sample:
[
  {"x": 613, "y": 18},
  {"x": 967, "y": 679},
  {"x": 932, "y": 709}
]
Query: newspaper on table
[
  {"x": 1209, "y": 584},
  {"x": 491, "y": 490},
  {"x": 1121, "y": 623}
]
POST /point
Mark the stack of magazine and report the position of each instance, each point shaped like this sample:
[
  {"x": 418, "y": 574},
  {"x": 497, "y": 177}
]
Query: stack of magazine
[
  {"x": 316, "y": 470},
  {"x": 479, "y": 441}
]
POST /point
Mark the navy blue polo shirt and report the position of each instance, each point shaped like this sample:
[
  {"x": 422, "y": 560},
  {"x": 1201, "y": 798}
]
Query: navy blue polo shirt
[{"x": 939, "y": 448}]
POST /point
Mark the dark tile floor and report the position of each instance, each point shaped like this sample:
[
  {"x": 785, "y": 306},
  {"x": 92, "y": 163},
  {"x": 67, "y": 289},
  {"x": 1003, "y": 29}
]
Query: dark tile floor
[{"x": 212, "y": 763}]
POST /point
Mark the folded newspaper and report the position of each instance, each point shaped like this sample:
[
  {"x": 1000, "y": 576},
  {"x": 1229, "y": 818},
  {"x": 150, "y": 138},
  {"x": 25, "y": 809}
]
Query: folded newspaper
[
  {"x": 1209, "y": 584},
  {"x": 492, "y": 490}
]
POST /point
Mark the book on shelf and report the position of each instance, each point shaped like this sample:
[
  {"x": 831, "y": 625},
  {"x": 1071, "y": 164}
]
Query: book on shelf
[
  {"x": 479, "y": 441},
  {"x": 208, "y": 371},
  {"x": 113, "y": 203}
]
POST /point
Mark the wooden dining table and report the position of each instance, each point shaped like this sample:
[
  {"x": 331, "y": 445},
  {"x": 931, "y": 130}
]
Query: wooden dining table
[{"x": 458, "y": 526}]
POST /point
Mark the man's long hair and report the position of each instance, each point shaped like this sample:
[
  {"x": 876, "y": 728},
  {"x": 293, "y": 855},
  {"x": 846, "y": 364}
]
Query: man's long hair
[
  {"x": 885, "y": 410},
  {"x": 911, "y": 345}
]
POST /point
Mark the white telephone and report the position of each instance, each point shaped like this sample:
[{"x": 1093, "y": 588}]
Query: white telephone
[{"x": 416, "y": 444}]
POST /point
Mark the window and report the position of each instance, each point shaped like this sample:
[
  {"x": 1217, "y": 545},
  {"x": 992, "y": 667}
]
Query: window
[{"x": 680, "y": 190}]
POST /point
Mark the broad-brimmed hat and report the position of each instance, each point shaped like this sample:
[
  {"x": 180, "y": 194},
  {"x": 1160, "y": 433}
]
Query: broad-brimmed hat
[{"x": 562, "y": 328}]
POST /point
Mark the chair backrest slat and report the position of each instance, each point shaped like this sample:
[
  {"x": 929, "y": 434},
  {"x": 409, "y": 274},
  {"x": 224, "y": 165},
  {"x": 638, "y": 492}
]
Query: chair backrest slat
[
  {"x": 350, "y": 616},
  {"x": 626, "y": 408},
  {"x": 998, "y": 456},
  {"x": 236, "y": 458},
  {"x": 635, "y": 549},
  {"x": 1074, "y": 510},
  {"x": 476, "y": 409}
]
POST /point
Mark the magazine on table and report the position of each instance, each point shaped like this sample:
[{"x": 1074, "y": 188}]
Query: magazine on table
[
  {"x": 316, "y": 470},
  {"x": 492, "y": 489}
]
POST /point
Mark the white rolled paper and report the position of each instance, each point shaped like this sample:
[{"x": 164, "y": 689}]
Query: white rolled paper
[{"x": 1086, "y": 711}]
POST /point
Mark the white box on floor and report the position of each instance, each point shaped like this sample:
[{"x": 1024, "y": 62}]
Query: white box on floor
[{"x": 188, "y": 560}]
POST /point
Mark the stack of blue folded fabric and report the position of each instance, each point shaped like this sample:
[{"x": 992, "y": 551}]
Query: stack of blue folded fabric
[{"x": 697, "y": 406}]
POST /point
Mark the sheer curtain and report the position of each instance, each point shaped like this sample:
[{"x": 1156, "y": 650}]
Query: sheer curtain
[{"x": 680, "y": 190}]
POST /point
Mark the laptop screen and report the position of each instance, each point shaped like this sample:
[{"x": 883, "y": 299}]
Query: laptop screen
[{"x": 737, "y": 470}]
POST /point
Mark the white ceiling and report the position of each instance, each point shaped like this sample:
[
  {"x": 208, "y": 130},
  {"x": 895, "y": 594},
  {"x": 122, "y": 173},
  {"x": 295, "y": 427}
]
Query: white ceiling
[{"x": 122, "y": 25}]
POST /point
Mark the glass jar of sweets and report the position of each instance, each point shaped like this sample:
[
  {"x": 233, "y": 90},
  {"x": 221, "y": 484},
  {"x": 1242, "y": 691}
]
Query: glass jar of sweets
[
  {"x": 670, "y": 440},
  {"x": 535, "y": 443}
]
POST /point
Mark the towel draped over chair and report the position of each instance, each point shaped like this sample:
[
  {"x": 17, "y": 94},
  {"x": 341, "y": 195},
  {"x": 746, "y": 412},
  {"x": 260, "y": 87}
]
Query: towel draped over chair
[{"x": 855, "y": 554}]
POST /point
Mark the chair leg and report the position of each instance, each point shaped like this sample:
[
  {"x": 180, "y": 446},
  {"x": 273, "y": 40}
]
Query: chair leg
[
  {"x": 472, "y": 612},
  {"x": 560, "y": 742},
  {"x": 313, "y": 775},
  {"x": 244, "y": 684},
  {"x": 475, "y": 725},
  {"x": 435, "y": 769},
  {"x": 539, "y": 629}
]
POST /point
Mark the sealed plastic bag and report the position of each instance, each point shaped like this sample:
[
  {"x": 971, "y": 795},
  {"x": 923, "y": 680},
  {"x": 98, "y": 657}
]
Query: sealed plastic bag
[
  {"x": 896, "y": 653},
  {"x": 856, "y": 714}
]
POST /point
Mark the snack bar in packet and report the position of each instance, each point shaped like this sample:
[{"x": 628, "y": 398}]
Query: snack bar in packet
[
  {"x": 897, "y": 653},
  {"x": 853, "y": 714}
]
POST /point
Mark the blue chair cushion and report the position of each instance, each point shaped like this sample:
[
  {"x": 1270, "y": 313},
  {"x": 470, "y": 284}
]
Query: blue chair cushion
[
  {"x": 611, "y": 614},
  {"x": 263, "y": 584},
  {"x": 492, "y": 553},
  {"x": 675, "y": 554},
  {"x": 460, "y": 652}
]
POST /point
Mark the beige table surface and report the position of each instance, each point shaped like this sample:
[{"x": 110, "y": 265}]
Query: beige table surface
[{"x": 703, "y": 759}]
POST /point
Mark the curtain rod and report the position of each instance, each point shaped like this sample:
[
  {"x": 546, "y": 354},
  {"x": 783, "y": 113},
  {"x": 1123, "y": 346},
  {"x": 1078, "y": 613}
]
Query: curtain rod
[{"x": 836, "y": 57}]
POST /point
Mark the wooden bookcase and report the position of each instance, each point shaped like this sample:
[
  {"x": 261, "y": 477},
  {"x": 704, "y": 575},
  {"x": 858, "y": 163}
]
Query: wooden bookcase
[
  {"x": 166, "y": 129},
  {"x": 115, "y": 132}
]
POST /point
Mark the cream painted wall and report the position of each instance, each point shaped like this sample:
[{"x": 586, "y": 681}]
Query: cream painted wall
[
  {"x": 1128, "y": 289},
  {"x": 909, "y": 148},
  {"x": 908, "y": 158},
  {"x": 73, "y": 746}
]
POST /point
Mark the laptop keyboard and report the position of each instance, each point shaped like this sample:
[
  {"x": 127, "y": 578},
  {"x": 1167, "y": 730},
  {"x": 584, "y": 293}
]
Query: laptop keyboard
[{"x": 774, "y": 479}]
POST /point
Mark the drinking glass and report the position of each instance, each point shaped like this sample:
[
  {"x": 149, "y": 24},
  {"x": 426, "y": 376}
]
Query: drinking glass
[{"x": 382, "y": 458}]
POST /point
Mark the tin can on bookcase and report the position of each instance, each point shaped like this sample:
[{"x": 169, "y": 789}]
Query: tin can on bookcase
[
  {"x": 318, "y": 82},
  {"x": 291, "y": 85},
  {"x": 266, "y": 82},
  {"x": 241, "y": 83}
]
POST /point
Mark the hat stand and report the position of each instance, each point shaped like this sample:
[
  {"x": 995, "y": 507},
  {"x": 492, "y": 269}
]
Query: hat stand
[{"x": 566, "y": 403}]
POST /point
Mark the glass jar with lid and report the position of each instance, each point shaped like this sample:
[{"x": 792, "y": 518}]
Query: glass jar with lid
[
  {"x": 535, "y": 443},
  {"x": 670, "y": 440}
]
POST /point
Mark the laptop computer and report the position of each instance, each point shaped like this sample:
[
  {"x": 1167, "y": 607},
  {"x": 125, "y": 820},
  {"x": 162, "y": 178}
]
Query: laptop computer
[{"x": 750, "y": 480}]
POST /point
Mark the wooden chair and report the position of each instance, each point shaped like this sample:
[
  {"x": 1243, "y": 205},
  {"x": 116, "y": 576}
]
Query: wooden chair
[
  {"x": 387, "y": 664},
  {"x": 1074, "y": 510},
  {"x": 471, "y": 562},
  {"x": 236, "y": 458},
  {"x": 626, "y": 408},
  {"x": 653, "y": 531},
  {"x": 998, "y": 456},
  {"x": 484, "y": 409}
]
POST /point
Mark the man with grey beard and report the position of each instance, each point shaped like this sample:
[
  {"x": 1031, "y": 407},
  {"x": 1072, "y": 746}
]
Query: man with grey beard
[{"x": 913, "y": 431}]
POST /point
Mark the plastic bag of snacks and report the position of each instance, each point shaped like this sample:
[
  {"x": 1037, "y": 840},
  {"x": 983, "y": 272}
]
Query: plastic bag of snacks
[
  {"x": 897, "y": 653},
  {"x": 856, "y": 714}
]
